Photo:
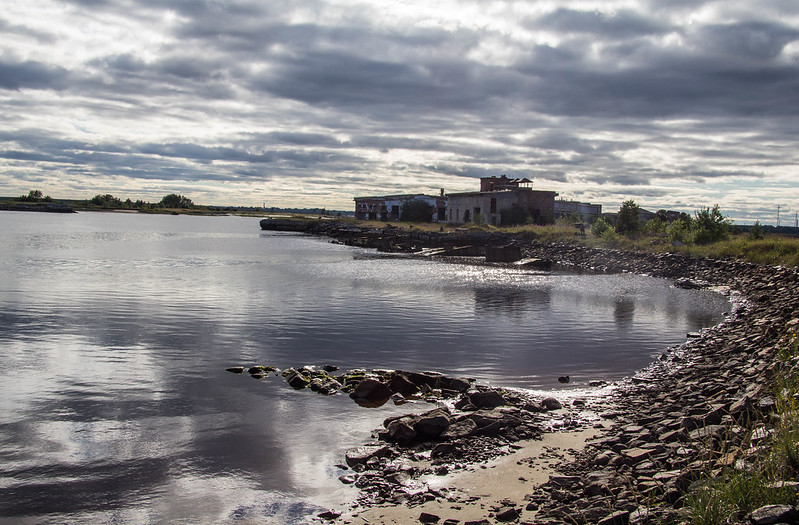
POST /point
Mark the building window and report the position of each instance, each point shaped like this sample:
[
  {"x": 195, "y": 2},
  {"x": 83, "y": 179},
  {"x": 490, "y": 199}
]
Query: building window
[{"x": 493, "y": 204}]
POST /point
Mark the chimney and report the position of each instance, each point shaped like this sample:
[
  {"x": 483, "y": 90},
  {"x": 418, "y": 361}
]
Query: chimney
[{"x": 442, "y": 192}]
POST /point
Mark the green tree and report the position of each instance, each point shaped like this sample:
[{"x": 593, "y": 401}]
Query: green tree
[
  {"x": 174, "y": 200},
  {"x": 416, "y": 210},
  {"x": 33, "y": 196},
  {"x": 709, "y": 226},
  {"x": 106, "y": 201},
  {"x": 627, "y": 223}
]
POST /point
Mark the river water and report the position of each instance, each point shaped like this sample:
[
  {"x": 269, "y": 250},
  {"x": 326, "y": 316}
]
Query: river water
[{"x": 116, "y": 329}]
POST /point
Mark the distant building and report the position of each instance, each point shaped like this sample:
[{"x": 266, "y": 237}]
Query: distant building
[
  {"x": 501, "y": 194},
  {"x": 588, "y": 213},
  {"x": 389, "y": 207}
]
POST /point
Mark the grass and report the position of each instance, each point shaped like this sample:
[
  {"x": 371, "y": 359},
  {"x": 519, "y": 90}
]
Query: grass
[{"x": 729, "y": 495}]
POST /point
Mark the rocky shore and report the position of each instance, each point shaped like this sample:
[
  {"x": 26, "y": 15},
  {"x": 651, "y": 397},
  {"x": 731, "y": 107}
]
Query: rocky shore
[{"x": 705, "y": 406}]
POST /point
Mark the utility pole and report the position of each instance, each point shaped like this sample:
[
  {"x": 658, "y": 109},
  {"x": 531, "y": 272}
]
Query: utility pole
[
  {"x": 796, "y": 219},
  {"x": 778, "y": 215}
]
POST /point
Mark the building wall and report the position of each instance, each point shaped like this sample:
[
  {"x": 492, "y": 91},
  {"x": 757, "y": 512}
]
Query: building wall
[
  {"x": 389, "y": 207},
  {"x": 462, "y": 207},
  {"x": 588, "y": 212}
]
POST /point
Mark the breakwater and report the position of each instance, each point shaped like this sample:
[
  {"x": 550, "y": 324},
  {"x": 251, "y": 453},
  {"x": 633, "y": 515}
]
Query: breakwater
[{"x": 704, "y": 407}]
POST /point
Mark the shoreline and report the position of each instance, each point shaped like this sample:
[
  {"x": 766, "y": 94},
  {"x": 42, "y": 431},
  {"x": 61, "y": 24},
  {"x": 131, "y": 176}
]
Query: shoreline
[{"x": 671, "y": 423}]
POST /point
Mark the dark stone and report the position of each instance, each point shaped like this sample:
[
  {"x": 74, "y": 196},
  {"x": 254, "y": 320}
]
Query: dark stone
[
  {"x": 551, "y": 403},
  {"x": 297, "y": 380},
  {"x": 443, "y": 449},
  {"x": 426, "y": 517},
  {"x": 401, "y": 430},
  {"x": 236, "y": 369},
  {"x": 401, "y": 384},
  {"x": 433, "y": 423},
  {"x": 348, "y": 479},
  {"x": 329, "y": 515},
  {"x": 371, "y": 393},
  {"x": 487, "y": 399},
  {"x": 507, "y": 514}
]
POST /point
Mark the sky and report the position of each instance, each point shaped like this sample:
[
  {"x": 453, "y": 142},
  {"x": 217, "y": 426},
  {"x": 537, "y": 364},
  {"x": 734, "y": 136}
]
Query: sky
[{"x": 676, "y": 104}]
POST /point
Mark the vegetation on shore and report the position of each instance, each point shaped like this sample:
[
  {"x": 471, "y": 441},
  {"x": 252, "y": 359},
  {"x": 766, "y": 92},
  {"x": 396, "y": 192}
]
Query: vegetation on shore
[{"x": 765, "y": 473}]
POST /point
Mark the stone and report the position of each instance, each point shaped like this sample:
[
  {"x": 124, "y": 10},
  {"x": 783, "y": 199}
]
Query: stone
[
  {"x": 329, "y": 515},
  {"x": 426, "y": 517},
  {"x": 507, "y": 514},
  {"x": 487, "y": 399},
  {"x": 433, "y": 423},
  {"x": 402, "y": 385},
  {"x": 773, "y": 514},
  {"x": 550, "y": 403},
  {"x": 621, "y": 517},
  {"x": 443, "y": 449},
  {"x": 360, "y": 455},
  {"x": 402, "y": 430},
  {"x": 236, "y": 369},
  {"x": 297, "y": 381},
  {"x": 459, "y": 429},
  {"x": 371, "y": 393}
]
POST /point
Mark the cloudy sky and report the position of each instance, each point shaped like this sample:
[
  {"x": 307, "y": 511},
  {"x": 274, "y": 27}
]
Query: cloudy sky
[{"x": 677, "y": 104}]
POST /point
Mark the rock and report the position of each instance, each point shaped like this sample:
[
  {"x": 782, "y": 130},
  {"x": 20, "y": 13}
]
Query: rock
[
  {"x": 297, "y": 380},
  {"x": 507, "y": 514},
  {"x": 487, "y": 399},
  {"x": 563, "y": 379},
  {"x": 360, "y": 455},
  {"x": 443, "y": 449},
  {"x": 348, "y": 479},
  {"x": 402, "y": 430},
  {"x": 550, "y": 403},
  {"x": 426, "y": 517},
  {"x": 459, "y": 429},
  {"x": 773, "y": 514},
  {"x": 402, "y": 385},
  {"x": 621, "y": 517},
  {"x": 433, "y": 423},
  {"x": 371, "y": 393},
  {"x": 329, "y": 515},
  {"x": 329, "y": 368},
  {"x": 236, "y": 369}
]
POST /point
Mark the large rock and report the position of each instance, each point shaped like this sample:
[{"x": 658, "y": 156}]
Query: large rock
[
  {"x": 371, "y": 393},
  {"x": 487, "y": 399},
  {"x": 459, "y": 429},
  {"x": 401, "y": 429},
  {"x": 433, "y": 423},
  {"x": 772, "y": 514},
  {"x": 360, "y": 455},
  {"x": 401, "y": 384}
]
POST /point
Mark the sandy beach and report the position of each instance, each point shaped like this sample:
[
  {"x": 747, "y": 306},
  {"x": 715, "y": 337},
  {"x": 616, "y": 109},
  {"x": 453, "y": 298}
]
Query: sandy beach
[{"x": 477, "y": 493}]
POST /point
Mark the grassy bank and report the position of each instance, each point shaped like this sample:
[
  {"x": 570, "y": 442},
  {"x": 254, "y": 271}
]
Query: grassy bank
[
  {"x": 776, "y": 250},
  {"x": 763, "y": 468}
]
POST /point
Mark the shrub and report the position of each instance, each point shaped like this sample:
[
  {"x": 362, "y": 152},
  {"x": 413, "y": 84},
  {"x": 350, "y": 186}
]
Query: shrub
[
  {"x": 709, "y": 226},
  {"x": 679, "y": 230},
  {"x": 600, "y": 226},
  {"x": 756, "y": 231}
]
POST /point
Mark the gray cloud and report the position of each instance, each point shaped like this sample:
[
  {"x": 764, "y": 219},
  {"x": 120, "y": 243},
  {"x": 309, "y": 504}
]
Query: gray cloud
[{"x": 595, "y": 103}]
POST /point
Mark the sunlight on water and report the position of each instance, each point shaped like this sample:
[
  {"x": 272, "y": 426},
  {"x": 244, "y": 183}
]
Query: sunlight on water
[{"x": 116, "y": 330}]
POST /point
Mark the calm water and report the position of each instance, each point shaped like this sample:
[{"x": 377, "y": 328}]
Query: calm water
[{"x": 115, "y": 330}]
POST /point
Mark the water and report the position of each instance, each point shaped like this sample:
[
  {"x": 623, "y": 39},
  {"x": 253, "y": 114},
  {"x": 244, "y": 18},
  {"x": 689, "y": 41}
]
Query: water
[{"x": 115, "y": 330}]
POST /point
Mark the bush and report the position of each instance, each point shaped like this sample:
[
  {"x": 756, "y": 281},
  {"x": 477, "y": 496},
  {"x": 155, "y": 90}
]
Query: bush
[
  {"x": 679, "y": 230},
  {"x": 756, "y": 231},
  {"x": 600, "y": 226}
]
